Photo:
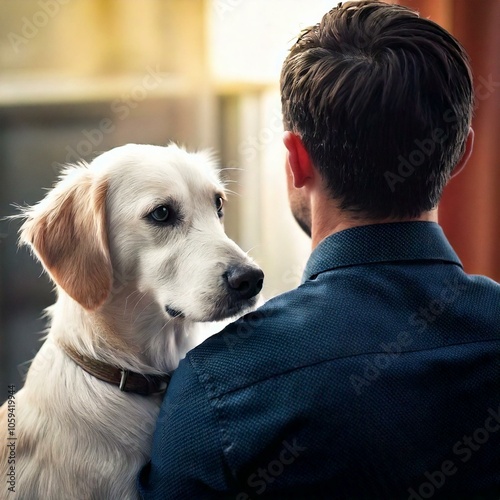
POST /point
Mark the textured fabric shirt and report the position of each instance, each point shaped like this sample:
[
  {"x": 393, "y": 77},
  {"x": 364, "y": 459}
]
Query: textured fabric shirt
[{"x": 377, "y": 378}]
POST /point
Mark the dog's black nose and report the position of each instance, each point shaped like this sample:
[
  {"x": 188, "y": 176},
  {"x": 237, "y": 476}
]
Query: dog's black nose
[{"x": 244, "y": 281}]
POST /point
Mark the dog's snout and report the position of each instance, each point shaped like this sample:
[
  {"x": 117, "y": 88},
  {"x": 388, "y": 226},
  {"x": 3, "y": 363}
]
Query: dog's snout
[{"x": 244, "y": 281}]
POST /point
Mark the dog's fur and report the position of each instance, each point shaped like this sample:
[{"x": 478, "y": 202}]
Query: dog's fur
[{"x": 117, "y": 273}]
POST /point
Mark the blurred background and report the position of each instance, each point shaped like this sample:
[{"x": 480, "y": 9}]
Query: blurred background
[{"x": 78, "y": 77}]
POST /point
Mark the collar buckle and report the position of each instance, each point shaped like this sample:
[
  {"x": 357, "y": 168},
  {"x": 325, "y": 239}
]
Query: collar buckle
[{"x": 123, "y": 380}]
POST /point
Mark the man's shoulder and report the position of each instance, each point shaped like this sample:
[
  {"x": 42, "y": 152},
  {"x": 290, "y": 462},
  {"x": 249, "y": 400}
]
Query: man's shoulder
[
  {"x": 347, "y": 314},
  {"x": 260, "y": 344},
  {"x": 308, "y": 326}
]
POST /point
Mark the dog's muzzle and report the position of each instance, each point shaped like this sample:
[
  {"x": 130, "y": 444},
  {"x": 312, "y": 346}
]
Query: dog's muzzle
[{"x": 238, "y": 290}]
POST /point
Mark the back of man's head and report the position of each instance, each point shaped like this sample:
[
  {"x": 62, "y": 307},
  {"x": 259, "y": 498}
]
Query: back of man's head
[{"x": 383, "y": 101}]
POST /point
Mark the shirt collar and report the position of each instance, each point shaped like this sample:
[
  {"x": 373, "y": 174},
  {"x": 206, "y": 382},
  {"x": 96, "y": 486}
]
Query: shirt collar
[{"x": 391, "y": 242}]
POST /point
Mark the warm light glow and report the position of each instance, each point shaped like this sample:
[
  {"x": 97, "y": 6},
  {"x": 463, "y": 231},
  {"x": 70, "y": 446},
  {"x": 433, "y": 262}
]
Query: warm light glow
[{"x": 250, "y": 39}]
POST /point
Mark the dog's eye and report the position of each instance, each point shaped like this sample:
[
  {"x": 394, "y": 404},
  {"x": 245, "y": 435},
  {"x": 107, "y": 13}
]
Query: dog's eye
[
  {"x": 219, "y": 204},
  {"x": 161, "y": 214}
]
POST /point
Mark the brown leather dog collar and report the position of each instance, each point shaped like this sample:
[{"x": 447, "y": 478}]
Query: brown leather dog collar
[{"x": 126, "y": 380}]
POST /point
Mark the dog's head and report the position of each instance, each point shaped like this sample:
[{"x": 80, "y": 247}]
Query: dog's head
[{"x": 148, "y": 217}]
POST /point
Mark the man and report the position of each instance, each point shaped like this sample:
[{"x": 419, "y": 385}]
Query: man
[{"x": 379, "y": 376}]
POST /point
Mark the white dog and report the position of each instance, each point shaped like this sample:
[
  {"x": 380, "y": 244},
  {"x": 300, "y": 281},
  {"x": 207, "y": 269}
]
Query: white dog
[{"x": 135, "y": 244}]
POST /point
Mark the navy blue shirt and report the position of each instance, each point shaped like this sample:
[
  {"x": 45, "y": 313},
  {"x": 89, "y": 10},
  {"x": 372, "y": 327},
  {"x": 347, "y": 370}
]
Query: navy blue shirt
[{"x": 377, "y": 378}]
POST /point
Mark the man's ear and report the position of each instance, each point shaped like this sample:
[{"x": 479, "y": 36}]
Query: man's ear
[
  {"x": 469, "y": 145},
  {"x": 301, "y": 167},
  {"x": 67, "y": 232}
]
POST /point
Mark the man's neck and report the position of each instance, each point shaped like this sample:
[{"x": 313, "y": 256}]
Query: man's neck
[{"x": 328, "y": 219}]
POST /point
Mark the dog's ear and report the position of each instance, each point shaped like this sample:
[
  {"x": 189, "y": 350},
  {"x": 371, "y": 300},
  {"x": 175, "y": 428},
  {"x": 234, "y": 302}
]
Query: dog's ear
[{"x": 67, "y": 232}]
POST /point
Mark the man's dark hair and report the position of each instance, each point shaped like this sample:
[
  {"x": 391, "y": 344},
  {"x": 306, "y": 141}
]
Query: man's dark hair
[{"x": 383, "y": 101}]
